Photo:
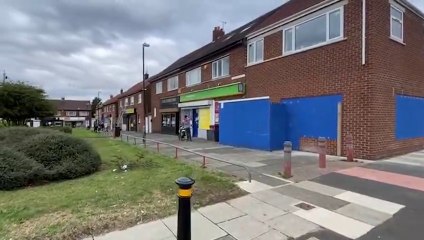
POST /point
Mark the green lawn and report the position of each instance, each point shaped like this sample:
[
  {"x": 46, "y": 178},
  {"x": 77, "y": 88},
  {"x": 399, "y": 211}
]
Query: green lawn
[{"x": 106, "y": 200}]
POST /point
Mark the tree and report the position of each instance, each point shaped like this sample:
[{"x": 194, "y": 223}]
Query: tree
[
  {"x": 20, "y": 101},
  {"x": 96, "y": 102}
]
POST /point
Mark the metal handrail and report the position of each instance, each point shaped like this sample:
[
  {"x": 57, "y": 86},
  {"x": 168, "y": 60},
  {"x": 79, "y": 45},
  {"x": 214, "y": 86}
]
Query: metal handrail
[{"x": 187, "y": 150}]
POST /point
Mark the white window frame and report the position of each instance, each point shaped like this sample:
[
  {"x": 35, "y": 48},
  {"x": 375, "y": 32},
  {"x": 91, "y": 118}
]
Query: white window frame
[
  {"x": 255, "y": 44},
  {"x": 188, "y": 82},
  {"x": 401, "y": 21},
  {"x": 221, "y": 62},
  {"x": 328, "y": 39},
  {"x": 132, "y": 100},
  {"x": 139, "y": 98},
  {"x": 170, "y": 88},
  {"x": 159, "y": 90},
  {"x": 71, "y": 113},
  {"x": 127, "y": 102},
  {"x": 84, "y": 113}
]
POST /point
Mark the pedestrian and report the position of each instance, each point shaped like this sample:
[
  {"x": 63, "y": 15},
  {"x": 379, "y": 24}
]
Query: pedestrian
[{"x": 187, "y": 127}]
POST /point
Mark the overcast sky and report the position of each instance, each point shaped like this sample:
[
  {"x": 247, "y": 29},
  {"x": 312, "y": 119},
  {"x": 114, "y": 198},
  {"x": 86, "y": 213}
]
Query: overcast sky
[{"x": 75, "y": 48}]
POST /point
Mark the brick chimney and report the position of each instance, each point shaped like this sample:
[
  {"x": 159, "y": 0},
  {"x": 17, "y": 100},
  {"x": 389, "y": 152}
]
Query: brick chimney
[
  {"x": 217, "y": 33},
  {"x": 63, "y": 99},
  {"x": 122, "y": 91},
  {"x": 146, "y": 76},
  {"x": 111, "y": 96}
]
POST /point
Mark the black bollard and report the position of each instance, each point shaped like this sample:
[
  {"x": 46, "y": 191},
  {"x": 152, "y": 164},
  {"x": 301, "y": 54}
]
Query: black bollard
[{"x": 184, "y": 208}]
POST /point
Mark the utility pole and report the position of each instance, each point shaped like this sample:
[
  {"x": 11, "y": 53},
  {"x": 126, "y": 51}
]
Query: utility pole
[
  {"x": 144, "y": 96},
  {"x": 4, "y": 77}
]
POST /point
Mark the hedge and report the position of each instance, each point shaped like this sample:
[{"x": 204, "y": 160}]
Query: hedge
[
  {"x": 61, "y": 129},
  {"x": 11, "y": 136},
  {"x": 63, "y": 156},
  {"x": 18, "y": 170}
]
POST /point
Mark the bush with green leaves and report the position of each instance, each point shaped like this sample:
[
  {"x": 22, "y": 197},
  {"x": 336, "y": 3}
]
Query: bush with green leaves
[
  {"x": 17, "y": 170},
  {"x": 12, "y": 136},
  {"x": 62, "y": 156},
  {"x": 65, "y": 129}
]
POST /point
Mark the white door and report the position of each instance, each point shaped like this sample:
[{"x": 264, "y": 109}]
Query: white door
[{"x": 148, "y": 121}]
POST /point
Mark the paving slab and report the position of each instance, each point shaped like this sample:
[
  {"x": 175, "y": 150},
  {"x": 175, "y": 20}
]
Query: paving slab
[
  {"x": 220, "y": 212},
  {"x": 244, "y": 228},
  {"x": 149, "y": 231},
  {"x": 370, "y": 202},
  {"x": 201, "y": 227},
  {"x": 320, "y": 188},
  {"x": 272, "y": 235},
  {"x": 228, "y": 237},
  {"x": 253, "y": 186},
  {"x": 271, "y": 180},
  {"x": 335, "y": 222},
  {"x": 364, "y": 214},
  {"x": 256, "y": 208},
  {"x": 277, "y": 200},
  {"x": 292, "y": 225},
  {"x": 314, "y": 198}
]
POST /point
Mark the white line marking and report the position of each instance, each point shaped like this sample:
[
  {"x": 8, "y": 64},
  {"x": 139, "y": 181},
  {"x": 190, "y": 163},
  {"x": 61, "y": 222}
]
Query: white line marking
[
  {"x": 370, "y": 202},
  {"x": 281, "y": 179},
  {"x": 335, "y": 222},
  {"x": 253, "y": 186}
]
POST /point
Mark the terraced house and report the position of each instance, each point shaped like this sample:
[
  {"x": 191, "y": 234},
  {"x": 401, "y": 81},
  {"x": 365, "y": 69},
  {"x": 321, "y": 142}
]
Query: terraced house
[{"x": 337, "y": 69}]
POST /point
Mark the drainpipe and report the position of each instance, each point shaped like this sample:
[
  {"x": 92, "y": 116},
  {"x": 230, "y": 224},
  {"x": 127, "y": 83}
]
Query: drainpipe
[{"x": 364, "y": 25}]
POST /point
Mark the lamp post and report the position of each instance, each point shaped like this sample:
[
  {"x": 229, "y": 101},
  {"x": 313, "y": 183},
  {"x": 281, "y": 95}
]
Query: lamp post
[{"x": 145, "y": 45}]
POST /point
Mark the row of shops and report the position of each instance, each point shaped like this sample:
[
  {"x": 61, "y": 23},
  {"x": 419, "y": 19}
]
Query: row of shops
[{"x": 202, "y": 107}]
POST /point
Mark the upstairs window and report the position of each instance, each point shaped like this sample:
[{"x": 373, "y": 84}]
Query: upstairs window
[
  {"x": 173, "y": 83},
  {"x": 132, "y": 100},
  {"x": 84, "y": 114},
  {"x": 221, "y": 68},
  {"x": 71, "y": 113},
  {"x": 139, "y": 98},
  {"x": 126, "y": 102},
  {"x": 396, "y": 23},
  {"x": 159, "y": 87},
  {"x": 317, "y": 31},
  {"x": 193, "y": 77},
  {"x": 255, "y": 51}
]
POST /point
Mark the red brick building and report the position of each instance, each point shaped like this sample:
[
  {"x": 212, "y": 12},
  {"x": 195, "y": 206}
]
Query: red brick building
[
  {"x": 74, "y": 113},
  {"x": 352, "y": 67}
]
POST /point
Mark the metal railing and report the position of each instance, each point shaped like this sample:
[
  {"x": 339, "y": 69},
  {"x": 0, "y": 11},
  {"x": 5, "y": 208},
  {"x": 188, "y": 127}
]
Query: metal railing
[{"x": 204, "y": 157}]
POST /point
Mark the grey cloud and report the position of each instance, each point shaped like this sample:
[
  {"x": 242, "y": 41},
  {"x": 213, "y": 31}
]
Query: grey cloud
[{"x": 76, "y": 48}]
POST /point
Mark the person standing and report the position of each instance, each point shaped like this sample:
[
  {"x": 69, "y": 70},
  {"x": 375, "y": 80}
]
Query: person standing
[{"x": 187, "y": 126}]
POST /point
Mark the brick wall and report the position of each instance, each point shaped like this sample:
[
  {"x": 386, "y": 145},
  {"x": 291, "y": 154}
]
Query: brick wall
[
  {"x": 395, "y": 68},
  {"x": 311, "y": 145},
  {"x": 237, "y": 67},
  {"x": 327, "y": 70}
]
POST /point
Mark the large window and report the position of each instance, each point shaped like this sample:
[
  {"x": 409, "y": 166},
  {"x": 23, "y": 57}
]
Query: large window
[
  {"x": 84, "y": 113},
  {"x": 221, "y": 67},
  {"x": 71, "y": 113},
  {"x": 127, "y": 102},
  {"x": 255, "y": 51},
  {"x": 169, "y": 120},
  {"x": 396, "y": 23},
  {"x": 193, "y": 77},
  {"x": 320, "y": 30},
  {"x": 173, "y": 83},
  {"x": 132, "y": 100},
  {"x": 159, "y": 87}
]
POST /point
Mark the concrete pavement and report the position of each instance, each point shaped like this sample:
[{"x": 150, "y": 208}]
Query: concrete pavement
[{"x": 265, "y": 166}]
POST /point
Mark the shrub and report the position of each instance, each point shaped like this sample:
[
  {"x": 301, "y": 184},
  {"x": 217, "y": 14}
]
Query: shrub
[
  {"x": 12, "y": 136},
  {"x": 17, "y": 170},
  {"x": 61, "y": 129},
  {"x": 63, "y": 156}
]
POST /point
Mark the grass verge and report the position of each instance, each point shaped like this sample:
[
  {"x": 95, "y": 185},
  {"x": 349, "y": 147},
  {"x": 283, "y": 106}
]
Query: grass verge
[{"x": 106, "y": 200}]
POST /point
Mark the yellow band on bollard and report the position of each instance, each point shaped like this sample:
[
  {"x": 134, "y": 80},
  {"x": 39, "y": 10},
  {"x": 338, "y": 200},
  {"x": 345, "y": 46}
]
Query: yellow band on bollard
[{"x": 185, "y": 192}]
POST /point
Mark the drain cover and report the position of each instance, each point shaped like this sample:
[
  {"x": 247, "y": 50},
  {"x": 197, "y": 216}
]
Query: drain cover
[{"x": 304, "y": 206}]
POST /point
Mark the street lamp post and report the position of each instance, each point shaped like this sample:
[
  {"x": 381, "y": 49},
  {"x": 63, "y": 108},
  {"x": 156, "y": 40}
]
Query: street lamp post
[{"x": 144, "y": 96}]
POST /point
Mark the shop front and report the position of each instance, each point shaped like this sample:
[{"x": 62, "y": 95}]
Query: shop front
[
  {"x": 202, "y": 108},
  {"x": 170, "y": 115},
  {"x": 130, "y": 119}
]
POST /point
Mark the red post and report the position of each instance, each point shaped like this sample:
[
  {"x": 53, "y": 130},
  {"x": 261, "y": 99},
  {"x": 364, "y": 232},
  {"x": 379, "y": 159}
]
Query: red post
[
  {"x": 349, "y": 148},
  {"x": 157, "y": 146},
  {"x": 176, "y": 153},
  {"x": 322, "y": 152},
  {"x": 204, "y": 162},
  {"x": 287, "y": 160}
]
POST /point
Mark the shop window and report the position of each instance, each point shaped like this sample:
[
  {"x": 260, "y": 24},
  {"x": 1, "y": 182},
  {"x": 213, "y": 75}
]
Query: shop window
[{"x": 169, "y": 120}]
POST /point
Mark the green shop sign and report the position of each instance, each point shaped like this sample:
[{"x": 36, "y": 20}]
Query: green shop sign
[{"x": 215, "y": 92}]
